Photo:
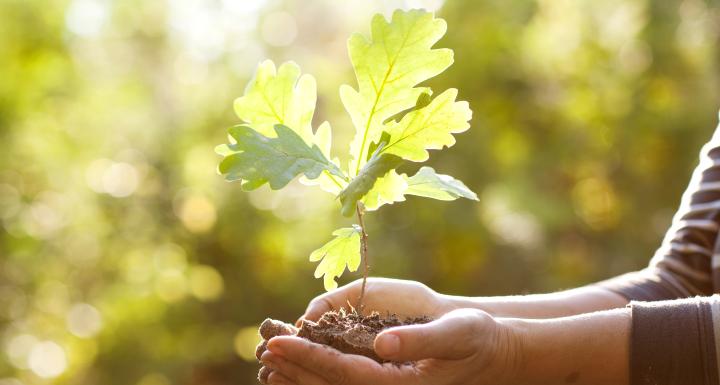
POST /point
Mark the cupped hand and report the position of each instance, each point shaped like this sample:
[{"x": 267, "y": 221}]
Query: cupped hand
[
  {"x": 465, "y": 346},
  {"x": 404, "y": 298}
]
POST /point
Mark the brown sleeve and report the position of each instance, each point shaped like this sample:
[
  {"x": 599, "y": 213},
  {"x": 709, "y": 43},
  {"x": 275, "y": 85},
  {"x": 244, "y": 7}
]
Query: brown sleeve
[
  {"x": 673, "y": 342},
  {"x": 682, "y": 266}
]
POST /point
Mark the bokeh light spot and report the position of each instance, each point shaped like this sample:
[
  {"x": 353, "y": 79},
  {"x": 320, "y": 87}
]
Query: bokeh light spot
[
  {"x": 197, "y": 213},
  {"x": 171, "y": 286},
  {"x": 246, "y": 340},
  {"x": 170, "y": 257},
  {"x": 206, "y": 284},
  {"x": 84, "y": 320},
  {"x": 118, "y": 179},
  {"x": 18, "y": 349},
  {"x": 87, "y": 17},
  {"x": 47, "y": 359}
]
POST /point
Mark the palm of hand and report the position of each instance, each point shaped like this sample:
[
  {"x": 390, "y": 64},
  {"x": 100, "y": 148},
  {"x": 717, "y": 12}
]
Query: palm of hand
[{"x": 404, "y": 298}]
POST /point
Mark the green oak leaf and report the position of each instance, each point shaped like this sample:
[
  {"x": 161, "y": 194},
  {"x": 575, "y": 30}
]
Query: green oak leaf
[
  {"x": 224, "y": 150},
  {"x": 378, "y": 166},
  {"x": 341, "y": 251},
  {"x": 326, "y": 181},
  {"x": 387, "y": 189},
  {"x": 258, "y": 159},
  {"x": 384, "y": 139},
  {"x": 279, "y": 96},
  {"x": 397, "y": 57},
  {"x": 428, "y": 128},
  {"x": 427, "y": 183},
  {"x": 423, "y": 100}
]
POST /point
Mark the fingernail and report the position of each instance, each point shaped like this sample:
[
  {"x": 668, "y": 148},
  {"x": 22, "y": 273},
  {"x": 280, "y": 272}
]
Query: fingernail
[
  {"x": 387, "y": 345},
  {"x": 274, "y": 349}
]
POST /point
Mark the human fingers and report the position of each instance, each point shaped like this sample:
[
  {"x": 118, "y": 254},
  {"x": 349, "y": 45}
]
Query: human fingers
[
  {"x": 276, "y": 378},
  {"x": 448, "y": 337},
  {"x": 332, "y": 300},
  {"x": 333, "y": 366},
  {"x": 295, "y": 373}
]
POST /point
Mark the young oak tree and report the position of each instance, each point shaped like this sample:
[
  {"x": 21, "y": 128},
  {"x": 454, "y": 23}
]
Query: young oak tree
[{"x": 395, "y": 121}]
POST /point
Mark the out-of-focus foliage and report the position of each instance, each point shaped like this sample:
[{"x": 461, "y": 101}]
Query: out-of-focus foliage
[{"x": 125, "y": 258}]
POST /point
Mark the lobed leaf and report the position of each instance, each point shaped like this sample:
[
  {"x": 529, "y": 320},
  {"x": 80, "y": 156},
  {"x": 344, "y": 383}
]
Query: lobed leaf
[
  {"x": 279, "y": 96},
  {"x": 387, "y": 189},
  {"x": 428, "y": 128},
  {"x": 326, "y": 181},
  {"x": 341, "y": 251},
  {"x": 378, "y": 166},
  {"x": 388, "y": 66},
  {"x": 258, "y": 159},
  {"x": 427, "y": 183}
]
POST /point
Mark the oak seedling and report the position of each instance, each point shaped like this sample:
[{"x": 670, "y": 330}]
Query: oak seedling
[{"x": 396, "y": 121}]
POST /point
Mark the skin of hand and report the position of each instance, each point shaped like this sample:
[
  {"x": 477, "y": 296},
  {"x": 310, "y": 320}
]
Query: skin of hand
[
  {"x": 410, "y": 298},
  {"x": 404, "y": 298},
  {"x": 464, "y": 346},
  {"x": 468, "y": 346}
]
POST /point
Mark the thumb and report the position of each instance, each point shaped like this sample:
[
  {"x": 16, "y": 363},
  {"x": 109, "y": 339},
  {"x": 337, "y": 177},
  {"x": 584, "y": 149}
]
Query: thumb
[
  {"x": 316, "y": 308},
  {"x": 332, "y": 300},
  {"x": 448, "y": 337}
]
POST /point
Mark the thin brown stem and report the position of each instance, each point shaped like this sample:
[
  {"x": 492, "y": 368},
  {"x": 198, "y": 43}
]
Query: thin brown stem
[{"x": 363, "y": 254}]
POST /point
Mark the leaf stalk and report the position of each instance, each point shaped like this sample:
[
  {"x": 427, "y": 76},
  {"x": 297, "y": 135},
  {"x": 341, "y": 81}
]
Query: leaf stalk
[{"x": 363, "y": 253}]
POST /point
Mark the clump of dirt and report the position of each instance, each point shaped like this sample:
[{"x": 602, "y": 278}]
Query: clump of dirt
[{"x": 351, "y": 333}]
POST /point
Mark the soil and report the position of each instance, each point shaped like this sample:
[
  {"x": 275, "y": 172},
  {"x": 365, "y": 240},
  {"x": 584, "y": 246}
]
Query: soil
[{"x": 350, "y": 333}]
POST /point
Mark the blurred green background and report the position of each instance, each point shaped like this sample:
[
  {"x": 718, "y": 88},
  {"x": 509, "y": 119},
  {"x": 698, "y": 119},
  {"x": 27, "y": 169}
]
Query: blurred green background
[{"x": 125, "y": 259}]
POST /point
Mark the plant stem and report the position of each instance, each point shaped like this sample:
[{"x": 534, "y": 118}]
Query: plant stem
[{"x": 363, "y": 254}]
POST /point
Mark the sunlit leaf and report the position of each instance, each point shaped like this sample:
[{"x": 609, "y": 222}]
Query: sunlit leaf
[
  {"x": 427, "y": 183},
  {"x": 428, "y": 128},
  {"x": 378, "y": 166},
  {"x": 326, "y": 181},
  {"x": 387, "y": 189},
  {"x": 423, "y": 100},
  {"x": 334, "y": 256},
  {"x": 259, "y": 159},
  {"x": 279, "y": 96},
  {"x": 388, "y": 66}
]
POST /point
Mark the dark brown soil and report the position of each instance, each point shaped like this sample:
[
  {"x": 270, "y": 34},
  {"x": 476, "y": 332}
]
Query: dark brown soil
[{"x": 350, "y": 333}]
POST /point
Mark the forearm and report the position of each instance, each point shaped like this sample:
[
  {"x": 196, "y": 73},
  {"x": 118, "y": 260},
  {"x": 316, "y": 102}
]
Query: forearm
[
  {"x": 582, "y": 350},
  {"x": 537, "y": 306}
]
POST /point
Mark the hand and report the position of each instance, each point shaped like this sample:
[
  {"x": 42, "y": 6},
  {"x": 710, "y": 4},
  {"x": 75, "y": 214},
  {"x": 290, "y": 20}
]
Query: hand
[
  {"x": 404, "y": 298},
  {"x": 465, "y": 346}
]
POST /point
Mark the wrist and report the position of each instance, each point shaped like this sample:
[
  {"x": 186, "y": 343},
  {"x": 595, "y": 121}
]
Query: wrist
[
  {"x": 520, "y": 332},
  {"x": 568, "y": 349}
]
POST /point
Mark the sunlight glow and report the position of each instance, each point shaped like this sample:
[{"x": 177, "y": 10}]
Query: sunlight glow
[
  {"x": 18, "y": 349},
  {"x": 279, "y": 29},
  {"x": 87, "y": 17},
  {"x": 245, "y": 342},
  {"x": 118, "y": 179},
  {"x": 206, "y": 284},
  {"x": 47, "y": 359},
  {"x": 84, "y": 320}
]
